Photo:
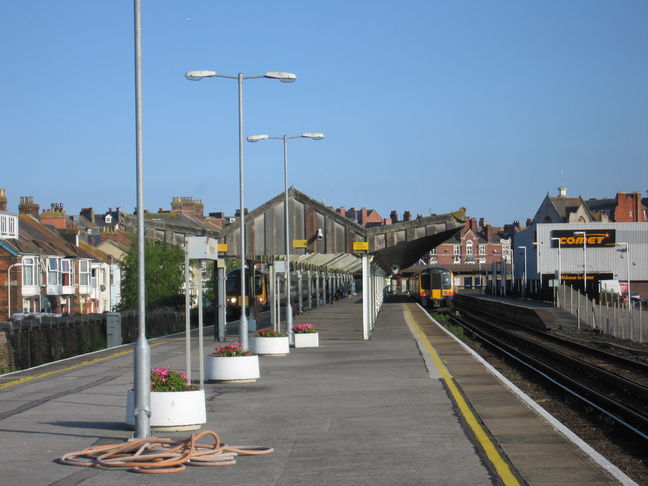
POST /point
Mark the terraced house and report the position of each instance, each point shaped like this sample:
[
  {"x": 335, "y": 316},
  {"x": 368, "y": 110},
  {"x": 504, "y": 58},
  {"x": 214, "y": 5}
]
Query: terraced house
[{"x": 46, "y": 270}]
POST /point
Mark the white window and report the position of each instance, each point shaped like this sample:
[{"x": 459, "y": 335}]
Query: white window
[
  {"x": 469, "y": 248},
  {"x": 84, "y": 272},
  {"x": 482, "y": 249},
  {"x": 457, "y": 259},
  {"x": 482, "y": 260},
  {"x": 456, "y": 250},
  {"x": 67, "y": 272},
  {"x": 53, "y": 271},
  {"x": 29, "y": 268},
  {"x": 433, "y": 251}
]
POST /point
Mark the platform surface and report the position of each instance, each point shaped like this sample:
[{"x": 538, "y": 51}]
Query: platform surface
[{"x": 350, "y": 412}]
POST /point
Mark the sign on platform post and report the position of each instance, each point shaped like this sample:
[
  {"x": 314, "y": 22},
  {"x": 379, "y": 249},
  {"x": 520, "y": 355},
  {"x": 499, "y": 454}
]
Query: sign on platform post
[
  {"x": 201, "y": 248},
  {"x": 196, "y": 248},
  {"x": 360, "y": 246}
]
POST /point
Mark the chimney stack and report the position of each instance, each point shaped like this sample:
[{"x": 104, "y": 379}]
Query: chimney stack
[
  {"x": 394, "y": 216},
  {"x": 407, "y": 216},
  {"x": 3, "y": 200},
  {"x": 27, "y": 206}
]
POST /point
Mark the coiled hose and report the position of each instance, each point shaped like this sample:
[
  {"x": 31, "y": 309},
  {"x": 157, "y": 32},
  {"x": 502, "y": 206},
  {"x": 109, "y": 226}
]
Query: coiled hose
[{"x": 162, "y": 456}]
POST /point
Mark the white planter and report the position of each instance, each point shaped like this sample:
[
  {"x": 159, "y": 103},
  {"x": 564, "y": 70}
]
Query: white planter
[
  {"x": 232, "y": 368},
  {"x": 270, "y": 345},
  {"x": 172, "y": 411},
  {"x": 306, "y": 339}
]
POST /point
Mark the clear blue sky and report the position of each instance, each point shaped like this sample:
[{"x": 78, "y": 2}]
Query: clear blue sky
[{"x": 426, "y": 105}]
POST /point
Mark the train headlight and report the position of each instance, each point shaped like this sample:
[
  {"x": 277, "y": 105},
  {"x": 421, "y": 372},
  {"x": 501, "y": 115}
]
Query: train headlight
[{"x": 233, "y": 300}]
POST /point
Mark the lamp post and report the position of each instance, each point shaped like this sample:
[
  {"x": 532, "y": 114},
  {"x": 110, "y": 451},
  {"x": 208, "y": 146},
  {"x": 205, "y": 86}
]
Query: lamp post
[
  {"x": 584, "y": 233},
  {"x": 285, "y": 138},
  {"x": 9, "y": 287},
  {"x": 627, "y": 255},
  {"x": 142, "y": 354},
  {"x": 524, "y": 278},
  {"x": 559, "y": 259},
  {"x": 285, "y": 78}
]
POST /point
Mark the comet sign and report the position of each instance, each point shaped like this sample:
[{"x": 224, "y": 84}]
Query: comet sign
[{"x": 598, "y": 238}]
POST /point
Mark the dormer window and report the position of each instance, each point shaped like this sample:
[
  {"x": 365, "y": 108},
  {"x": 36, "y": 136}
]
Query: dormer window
[
  {"x": 8, "y": 226},
  {"x": 108, "y": 219}
]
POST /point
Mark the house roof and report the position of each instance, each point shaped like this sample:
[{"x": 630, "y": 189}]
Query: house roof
[
  {"x": 37, "y": 238},
  {"x": 566, "y": 205}
]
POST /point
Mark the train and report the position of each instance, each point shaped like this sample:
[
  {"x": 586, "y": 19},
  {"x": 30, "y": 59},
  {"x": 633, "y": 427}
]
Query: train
[
  {"x": 233, "y": 292},
  {"x": 432, "y": 286}
]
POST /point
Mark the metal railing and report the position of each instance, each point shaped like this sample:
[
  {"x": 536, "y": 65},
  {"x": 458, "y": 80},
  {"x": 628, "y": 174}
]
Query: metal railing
[{"x": 611, "y": 317}]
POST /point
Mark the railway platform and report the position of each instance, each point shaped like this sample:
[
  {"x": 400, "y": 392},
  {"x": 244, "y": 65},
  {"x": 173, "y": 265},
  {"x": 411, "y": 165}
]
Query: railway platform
[{"x": 411, "y": 405}]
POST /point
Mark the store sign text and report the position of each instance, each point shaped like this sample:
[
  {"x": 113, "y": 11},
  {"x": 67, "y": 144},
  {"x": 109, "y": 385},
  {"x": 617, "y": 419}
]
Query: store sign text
[{"x": 592, "y": 238}]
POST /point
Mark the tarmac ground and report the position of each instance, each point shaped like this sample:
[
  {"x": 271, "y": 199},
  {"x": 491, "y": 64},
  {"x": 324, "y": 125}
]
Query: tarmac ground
[{"x": 350, "y": 412}]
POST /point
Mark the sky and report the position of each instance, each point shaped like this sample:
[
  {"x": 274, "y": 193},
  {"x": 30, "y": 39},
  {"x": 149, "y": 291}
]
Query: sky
[{"x": 426, "y": 105}]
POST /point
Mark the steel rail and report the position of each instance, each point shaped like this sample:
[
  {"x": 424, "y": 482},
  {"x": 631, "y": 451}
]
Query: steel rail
[{"x": 616, "y": 409}]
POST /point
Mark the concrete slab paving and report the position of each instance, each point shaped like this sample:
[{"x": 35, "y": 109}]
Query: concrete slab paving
[{"x": 349, "y": 412}]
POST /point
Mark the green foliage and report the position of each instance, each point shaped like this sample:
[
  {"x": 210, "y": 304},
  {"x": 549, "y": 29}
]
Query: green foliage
[
  {"x": 442, "y": 318},
  {"x": 456, "y": 330},
  {"x": 163, "y": 268},
  {"x": 168, "y": 380},
  {"x": 232, "y": 263}
]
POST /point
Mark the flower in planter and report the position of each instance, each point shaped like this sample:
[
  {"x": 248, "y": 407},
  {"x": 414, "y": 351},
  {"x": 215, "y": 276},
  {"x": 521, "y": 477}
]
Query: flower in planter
[
  {"x": 230, "y": 350},
  {"x": 268, "y": 332},
  {"x": 303, "y": 329},
  {"x": 169, "y": 380}
]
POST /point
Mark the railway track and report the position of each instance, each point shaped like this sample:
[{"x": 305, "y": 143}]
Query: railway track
[{"x": 614, "y": 385}]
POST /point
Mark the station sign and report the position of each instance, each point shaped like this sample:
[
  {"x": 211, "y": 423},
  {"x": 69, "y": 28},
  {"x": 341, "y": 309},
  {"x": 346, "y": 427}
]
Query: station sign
[
  {"x": 300, "y": 244},
  {"x": 599, "y": 238},
  {"x": 360, "y": 246},
  {"x": 201, "y": 248},
  {"x": 222, "y": 248}
]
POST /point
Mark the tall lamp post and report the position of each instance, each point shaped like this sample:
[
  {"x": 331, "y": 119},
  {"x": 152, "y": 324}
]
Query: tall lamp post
[
  {"x": 627, "y": 255},
  {"x": 524, "y": 278},
  {"x": 584, "y": 233},
  {"x": 559, "y": 260},
  {"x": 285, "y": 138},
  {"x": 9, "y": 287},
  {"x": 142, "y": 355},
  {"x": 285, "y": 78}
]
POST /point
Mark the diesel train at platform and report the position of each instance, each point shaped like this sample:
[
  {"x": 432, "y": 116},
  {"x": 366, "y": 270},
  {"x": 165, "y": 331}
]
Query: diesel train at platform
[{"x": 432, "y": 286}]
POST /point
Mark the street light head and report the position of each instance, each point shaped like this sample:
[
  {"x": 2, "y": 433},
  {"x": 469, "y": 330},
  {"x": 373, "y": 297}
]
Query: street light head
[
  {"x": 256, "y": 138},
  {"x": 283, "y": 77},
  {"x": 198, "y": 75},
  {"x": 314, "y": 136}
]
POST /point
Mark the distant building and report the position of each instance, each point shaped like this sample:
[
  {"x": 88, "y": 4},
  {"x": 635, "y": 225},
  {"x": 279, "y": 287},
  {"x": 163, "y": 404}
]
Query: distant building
[{"x": 624, "y": 208}]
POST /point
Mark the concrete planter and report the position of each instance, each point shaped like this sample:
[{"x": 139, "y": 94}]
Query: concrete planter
[
  {"x": 172, "y": 411},
  {"x": 232, "y": 368},
  {"x": 270, "y": 346},
  {"x": 306, "y": 339}
]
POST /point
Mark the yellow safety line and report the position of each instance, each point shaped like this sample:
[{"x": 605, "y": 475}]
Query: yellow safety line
[
  {"x": 84, "y": 363},
  {"x": 487, "y": 445}
]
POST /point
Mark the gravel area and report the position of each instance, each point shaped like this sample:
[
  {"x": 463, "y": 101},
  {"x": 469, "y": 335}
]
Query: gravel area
[{"x": 622, "y": 448}]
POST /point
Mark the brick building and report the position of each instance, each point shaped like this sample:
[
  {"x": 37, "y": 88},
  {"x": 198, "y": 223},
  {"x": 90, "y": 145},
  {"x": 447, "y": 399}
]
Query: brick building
[
  {"x": 470, "y": 254},
  {"x": 45, "y": 266}
]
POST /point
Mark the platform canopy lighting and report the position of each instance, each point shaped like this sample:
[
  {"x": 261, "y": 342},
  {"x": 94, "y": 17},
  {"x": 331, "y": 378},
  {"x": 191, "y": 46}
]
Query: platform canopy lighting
[
  {"x": 198, "y": 75},
  {"x": 256, "y": 138},
  {"x": 283, "y": 77},
  {"x": 314, "y": 136}
]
